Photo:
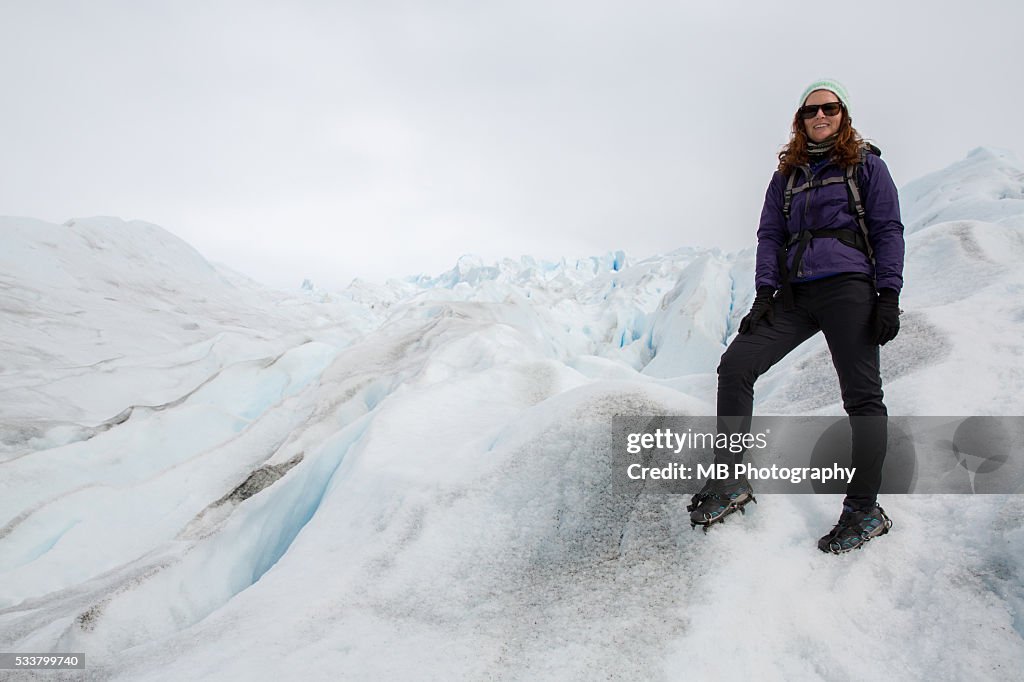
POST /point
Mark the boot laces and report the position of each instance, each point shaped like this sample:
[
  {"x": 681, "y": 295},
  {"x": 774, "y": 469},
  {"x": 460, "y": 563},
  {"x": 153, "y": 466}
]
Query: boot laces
[{"x": 846, "y": 520}]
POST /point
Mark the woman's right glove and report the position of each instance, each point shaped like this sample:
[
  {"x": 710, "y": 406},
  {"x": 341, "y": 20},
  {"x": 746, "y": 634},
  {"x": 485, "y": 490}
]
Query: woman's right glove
[
  {"x": 760, "y": 310},
  {"x": 886, "y": 318}
]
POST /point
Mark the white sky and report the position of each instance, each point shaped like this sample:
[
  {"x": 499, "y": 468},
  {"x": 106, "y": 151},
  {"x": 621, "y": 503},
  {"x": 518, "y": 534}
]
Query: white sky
[{"x": 380, "y": 139}]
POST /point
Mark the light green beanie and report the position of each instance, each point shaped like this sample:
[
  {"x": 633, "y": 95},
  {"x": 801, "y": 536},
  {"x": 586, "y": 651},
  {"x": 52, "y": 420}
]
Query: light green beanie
[{"x": 829, "y": 84}]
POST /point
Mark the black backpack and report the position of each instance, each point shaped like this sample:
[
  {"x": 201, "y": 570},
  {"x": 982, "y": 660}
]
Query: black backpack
[{"x": 858, "y": 240}]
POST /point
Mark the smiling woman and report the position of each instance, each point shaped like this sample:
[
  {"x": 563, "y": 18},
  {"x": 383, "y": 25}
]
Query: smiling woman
[
  {"x": 830, "y": 243},
  {"x": 821, "y": 118}
]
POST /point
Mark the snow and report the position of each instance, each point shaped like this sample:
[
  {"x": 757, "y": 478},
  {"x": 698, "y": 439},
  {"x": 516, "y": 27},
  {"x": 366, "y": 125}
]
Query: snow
[
  {"x": 204, "y": 478},
  {"x": 988, "y": 185}
]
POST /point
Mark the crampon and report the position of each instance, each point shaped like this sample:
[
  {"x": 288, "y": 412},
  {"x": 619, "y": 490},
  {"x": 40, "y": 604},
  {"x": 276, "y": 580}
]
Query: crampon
[
  {"x": 855, "y": 528},
  {"x": 719, "y": 499}
]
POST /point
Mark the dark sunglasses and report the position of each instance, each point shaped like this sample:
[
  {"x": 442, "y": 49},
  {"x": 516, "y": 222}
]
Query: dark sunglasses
[{"x": 811, "y": 110}]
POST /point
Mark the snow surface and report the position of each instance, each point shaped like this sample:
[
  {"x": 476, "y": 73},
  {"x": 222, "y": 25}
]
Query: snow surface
[{"x": 201, "y": 478}]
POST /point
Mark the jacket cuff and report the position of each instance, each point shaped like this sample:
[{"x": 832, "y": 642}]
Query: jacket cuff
[{"x": 889, "y": 295}]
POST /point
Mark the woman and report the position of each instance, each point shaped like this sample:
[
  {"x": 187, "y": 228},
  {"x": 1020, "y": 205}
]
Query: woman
[{"x": 829, "y": 258}]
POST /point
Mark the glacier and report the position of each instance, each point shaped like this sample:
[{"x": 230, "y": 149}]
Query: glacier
[{"x": 201, "y": 477}]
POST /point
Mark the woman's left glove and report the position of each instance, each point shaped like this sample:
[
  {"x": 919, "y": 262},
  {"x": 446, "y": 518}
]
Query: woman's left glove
[{"x": 886, "y": 318}]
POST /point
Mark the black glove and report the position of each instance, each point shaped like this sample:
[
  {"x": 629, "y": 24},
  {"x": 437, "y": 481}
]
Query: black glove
[
  {"x": 762, "y": 309},
  {"x": 885, "y": 321}
]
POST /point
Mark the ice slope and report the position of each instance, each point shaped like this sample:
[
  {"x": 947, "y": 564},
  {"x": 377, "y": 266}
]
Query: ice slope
[
  {"x": 100, "y": 316},
  {"x": 205, "y": 479},
  {"x": 988, "y": 185}
]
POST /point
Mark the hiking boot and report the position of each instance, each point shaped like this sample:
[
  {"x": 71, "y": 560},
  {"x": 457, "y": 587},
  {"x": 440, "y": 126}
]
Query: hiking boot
[
  {"x": 718, "y": 499},
  {"x": 855, "y": 527}
]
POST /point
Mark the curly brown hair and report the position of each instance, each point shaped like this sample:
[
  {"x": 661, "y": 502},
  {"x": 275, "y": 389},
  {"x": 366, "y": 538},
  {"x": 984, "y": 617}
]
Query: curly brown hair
[{"x": 845, "y": 153}]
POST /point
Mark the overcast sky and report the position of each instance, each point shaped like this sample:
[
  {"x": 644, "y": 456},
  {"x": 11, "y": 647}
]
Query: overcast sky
[{"x": 335, "y": 139}]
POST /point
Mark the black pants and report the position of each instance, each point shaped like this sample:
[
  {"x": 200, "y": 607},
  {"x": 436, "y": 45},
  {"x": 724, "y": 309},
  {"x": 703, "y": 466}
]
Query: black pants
[{"x": 840, "y": 306}]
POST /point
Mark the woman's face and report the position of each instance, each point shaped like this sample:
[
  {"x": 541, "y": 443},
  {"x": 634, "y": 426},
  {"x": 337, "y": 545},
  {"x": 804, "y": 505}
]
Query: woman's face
[{"x": 821, "y": 126}]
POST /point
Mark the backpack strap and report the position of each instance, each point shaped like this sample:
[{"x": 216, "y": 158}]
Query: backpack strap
[
  {"x": 861, "y": 242},
  {"x": 857, "y": 204},
  {"x": 787, "y": 197}
]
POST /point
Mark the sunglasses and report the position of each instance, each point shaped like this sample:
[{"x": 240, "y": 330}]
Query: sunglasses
[{"x": 811, "y": 110}]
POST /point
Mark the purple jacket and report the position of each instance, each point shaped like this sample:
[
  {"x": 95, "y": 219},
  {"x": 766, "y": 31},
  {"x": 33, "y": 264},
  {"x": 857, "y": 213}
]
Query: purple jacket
[{"x": 828, "y": 207}]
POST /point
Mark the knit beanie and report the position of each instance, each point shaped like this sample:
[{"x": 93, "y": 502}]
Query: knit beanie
[{"x": 829, "y": 84}]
